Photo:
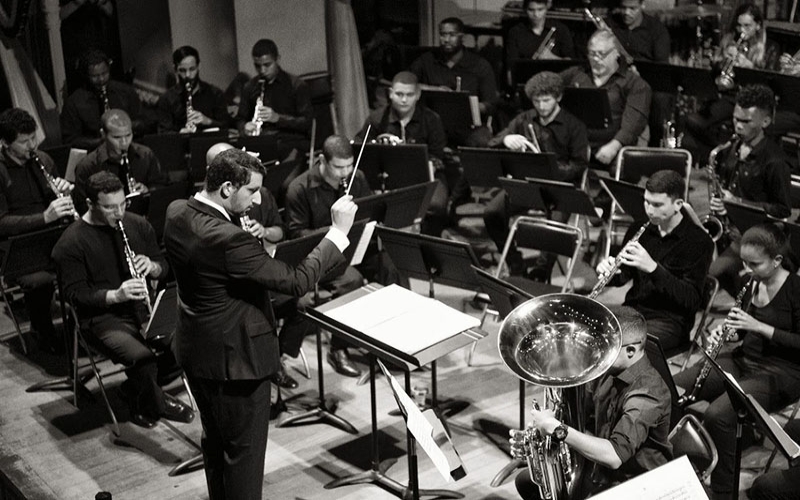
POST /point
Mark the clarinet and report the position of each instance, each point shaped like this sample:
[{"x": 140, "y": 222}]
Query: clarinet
[
  {"x": 191, "y": 127},
  {"x": 51, "y": 181},
  {"x": 714, "y": 349},
  {"x": 604, "y": 279},
  {"x": 259, "y": 104},
  {"x": 129, "y": 258},
  {"x": 104, "y": 98},
  {"x": 126, "y": 168}
]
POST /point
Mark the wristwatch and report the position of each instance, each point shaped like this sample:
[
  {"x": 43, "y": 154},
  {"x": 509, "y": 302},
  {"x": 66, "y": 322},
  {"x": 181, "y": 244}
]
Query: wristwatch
[{"x": 560, "y": 432}]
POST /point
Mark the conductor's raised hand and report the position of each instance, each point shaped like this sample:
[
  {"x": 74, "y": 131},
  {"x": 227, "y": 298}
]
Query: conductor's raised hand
[{"x": 343, "y": 213}]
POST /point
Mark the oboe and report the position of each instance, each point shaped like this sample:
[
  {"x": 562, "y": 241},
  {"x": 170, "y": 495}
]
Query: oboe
[
  {"x": 604, "y": 279},
  {"x": 191, "y": 127},
  {"x": 126, "y": 169},
  {"x": 129, "y": 258},
  {"x": 51, "y": 181}
]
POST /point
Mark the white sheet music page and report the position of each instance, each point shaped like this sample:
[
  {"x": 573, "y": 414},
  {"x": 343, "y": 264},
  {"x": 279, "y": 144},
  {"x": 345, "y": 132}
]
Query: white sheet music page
[
  {"x": 403, "y": 319},
  {"x": 674, "y": 480}
]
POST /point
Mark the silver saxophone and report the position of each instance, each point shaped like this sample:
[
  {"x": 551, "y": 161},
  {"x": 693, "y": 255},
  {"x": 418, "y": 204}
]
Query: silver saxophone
[{"x": 716, "y": 225}]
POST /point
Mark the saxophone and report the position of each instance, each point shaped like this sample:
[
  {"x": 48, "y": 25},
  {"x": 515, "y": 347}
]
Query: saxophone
[
  {"x": 257, "y": 121},
  {"x": 714, "y": 349},
  {"x": 129, "y": 258},
  {"x": 605, "y": 278},
  {"x": 191, "y": 127},
  {"x": 716, "y": 225},
  {"x": 51, "y": 181}
]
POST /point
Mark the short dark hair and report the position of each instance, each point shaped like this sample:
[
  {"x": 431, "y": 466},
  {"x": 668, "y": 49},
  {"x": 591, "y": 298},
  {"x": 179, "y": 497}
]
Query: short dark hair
[
  {"x": 182, "y": 53},
  {"x": 633, "y": 326},
  {"x": 769, "y": 237},
  {"x": 526, "y": 3},
  {"x": 102, "y": 182},
  {"x": 232, "y": 165},
  {"x": 337, "y": 146},
  {"x": 91, "y": 58},
  {"x": 669, "y": 182},
  {"x": 16, "y": 121},
  {"x": 544, "y": 83},
  {"x": 757, "y": 95},
  {"x": 265, "y": 47},
  {"x": 406, "y": 78},
  {"x": 458, "y": 23}
]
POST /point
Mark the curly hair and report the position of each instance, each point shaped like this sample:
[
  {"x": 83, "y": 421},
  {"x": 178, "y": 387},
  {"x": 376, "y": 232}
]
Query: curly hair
[
  {"x": 757, "y": 95},
  {"x": 232, "y": 165},
  {"x": 15, "y": 121},
  {"x": 544, "y": 83}
]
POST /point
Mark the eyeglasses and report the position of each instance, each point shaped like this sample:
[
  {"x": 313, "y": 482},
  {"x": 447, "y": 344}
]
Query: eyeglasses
[{"x": 596, "y": 54}]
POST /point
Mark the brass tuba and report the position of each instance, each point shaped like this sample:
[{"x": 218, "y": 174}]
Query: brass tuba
[{"x": 560, "y": 341}]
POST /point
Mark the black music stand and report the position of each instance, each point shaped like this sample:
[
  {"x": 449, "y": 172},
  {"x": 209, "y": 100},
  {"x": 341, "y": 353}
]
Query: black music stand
[
  {"x": 170, "y": 149},
  {"x": 746, "y": 407},
  {"x": 482, "y": 166},
  {"x": 591, "y": 106},
  {"x": 523, "y": 194},
  {"x": 434, "y": 260},
  {"x": 276, "y": 173},
  {"x": 388, "y": 354},
  {"x": 458, "y": 110},
  {"x": 160, "y": 199},
  {"x": 786, "y": 87},
  {"x": 793, "y": 230},
  {"x": 505, "y": 298},
  {"x": 265, "y": 145},
  {"x": 398, "y": 208},
  {"x": 743, "y": 215},
  {"x": 629, "y": 197},
  {"x": 564, "y": 197},
  {"x": 660, "y": 76},
  {"x": 698, "y": 82},
  {"x": 388, "y": 167},
  {"x": 198, "y": 146},
  {"x": 523, "y": 69}
]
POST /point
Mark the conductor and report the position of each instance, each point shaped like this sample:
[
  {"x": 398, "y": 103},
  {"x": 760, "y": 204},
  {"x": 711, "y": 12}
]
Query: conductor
[{"x": 226, "y": 340}]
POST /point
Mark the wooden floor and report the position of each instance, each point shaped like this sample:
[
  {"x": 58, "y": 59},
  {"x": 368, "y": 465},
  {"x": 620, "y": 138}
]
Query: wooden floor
[{"x": 51, "y": 450}]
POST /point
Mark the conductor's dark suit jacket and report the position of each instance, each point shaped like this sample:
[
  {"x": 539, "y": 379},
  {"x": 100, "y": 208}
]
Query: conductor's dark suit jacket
[{"x": 226, "y": 327}]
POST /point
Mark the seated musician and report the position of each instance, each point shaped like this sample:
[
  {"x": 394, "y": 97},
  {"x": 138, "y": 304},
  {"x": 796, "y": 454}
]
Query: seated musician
[
  {"x": 628, "y": 95},
  {"x": 111, "y": 302},
  {"x": 779, "y": 484},
  {"x": 407, "y": 121},
  {"x": 743, "y": 45},
  {"x": 767, "y": 364},
  {"x": 81, "y": 117},
  {"x": 308, "y": 204},
  {"x": 668, "y": 264},
  {"x": 642, "y": 35},
  {"x": 629, "y": 418},
  {"x": 28, "y": 203},
  {"x": 557, "y": 131},
  {"x": 135, "y": 164},
  {"x": 209, "y": 109},
  {"x": 525, "y": 39},
  {"x": 753, "y": 169}
]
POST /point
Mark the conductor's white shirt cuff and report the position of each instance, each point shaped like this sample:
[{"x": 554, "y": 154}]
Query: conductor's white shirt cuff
[{"x": 338, "y": 238}]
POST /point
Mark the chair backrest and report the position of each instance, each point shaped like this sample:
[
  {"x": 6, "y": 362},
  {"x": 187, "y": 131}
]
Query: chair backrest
[
  {"x": 546, "y": 236},
  {"x": 634, "y": 163},
  {"x": 690, "y": 438},
  {"x": 655, "y": 354}
]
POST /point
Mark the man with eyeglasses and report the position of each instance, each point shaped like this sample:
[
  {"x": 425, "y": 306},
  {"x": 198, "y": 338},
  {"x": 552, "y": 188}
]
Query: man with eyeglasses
[
  {"x": 628, "y": 94},
  {"x": 111, "y": 302}
]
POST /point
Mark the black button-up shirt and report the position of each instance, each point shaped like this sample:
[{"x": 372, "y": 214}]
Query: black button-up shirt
[
  {"x": 287, "y": 95},
  {"x": 477, "y": 76},
  {"x": 206, "y": 99},
  {"x": 648, "y": 41},
  {"x": 80, "y": 118},
  {"x": 523, "y": 42},
  {"x": 424, "y": 127}
]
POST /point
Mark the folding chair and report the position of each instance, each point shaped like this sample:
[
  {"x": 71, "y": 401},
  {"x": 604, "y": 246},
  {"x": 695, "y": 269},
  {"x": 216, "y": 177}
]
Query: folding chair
[
  {"x": 690, "y": 438},
  {"x": 710, "y": 289}
]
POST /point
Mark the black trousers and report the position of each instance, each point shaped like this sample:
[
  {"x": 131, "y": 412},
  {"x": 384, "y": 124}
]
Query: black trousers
[{"x": 235, "y": 417}]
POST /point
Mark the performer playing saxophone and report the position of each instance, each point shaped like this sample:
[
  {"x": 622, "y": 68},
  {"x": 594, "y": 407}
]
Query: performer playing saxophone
[
  {"x": 767, "y": 364},
  {"x": 668, "y": 264},
  {"x": 626, "y": 441}
]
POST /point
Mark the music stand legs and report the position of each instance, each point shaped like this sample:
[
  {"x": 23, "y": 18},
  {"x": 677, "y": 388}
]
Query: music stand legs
[
  {"x": 515, "y": 463},
  {"x": 322, "y": 411}
]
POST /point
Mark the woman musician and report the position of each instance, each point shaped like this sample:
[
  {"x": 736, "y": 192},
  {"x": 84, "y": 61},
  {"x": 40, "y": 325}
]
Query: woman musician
[{"x": 767, "y": 364}]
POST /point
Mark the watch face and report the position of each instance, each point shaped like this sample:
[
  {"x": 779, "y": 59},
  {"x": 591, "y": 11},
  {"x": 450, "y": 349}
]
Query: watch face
[{"x": 560, "y": 432}]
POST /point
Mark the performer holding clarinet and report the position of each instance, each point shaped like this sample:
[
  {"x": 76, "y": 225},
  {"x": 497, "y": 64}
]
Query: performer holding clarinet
[{"x": 767, "y": 364}]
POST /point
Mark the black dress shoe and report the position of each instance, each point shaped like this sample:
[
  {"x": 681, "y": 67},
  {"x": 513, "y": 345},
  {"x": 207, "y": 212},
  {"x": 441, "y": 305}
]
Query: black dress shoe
[
  {"x": 176, "y": 411},
  {"x": 283, "y": 379},
  {"x": 341, "y": 362},
  {"x": 143, "y": 420}
]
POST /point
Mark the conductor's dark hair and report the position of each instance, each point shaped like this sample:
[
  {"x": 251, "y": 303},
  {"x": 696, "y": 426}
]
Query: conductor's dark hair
[
  {"x": 758, "y": 96},
  {"x": 265, "y": 47},
  {"x": 337, "y": 146},
  {"x": 769, "y": 238},
  {"x": 102, "y": 182},
  {"x": 668, "y": 182},
  {"x": 91, "y": 58},
  {"x": 232, "y": 165},
  {"x": 458, "y": 23},
  {"x": 15, "y": 121},
  {"x": 544, "y": 83},
  {"x": 182, "y": 53},
  {"x": 632, "y": 324}
]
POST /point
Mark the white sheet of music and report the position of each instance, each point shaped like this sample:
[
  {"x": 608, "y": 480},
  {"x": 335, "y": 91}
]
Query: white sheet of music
[
  {"x": 674, "y": 480},
  {"x": 403, "y": 319}
]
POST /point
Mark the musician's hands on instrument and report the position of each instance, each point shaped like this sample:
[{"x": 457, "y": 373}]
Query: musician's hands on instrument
[
  {"x": 256, "y": 229},
  {"x": 789, "y": 65},
  {"x": 138, "y": 187},
  {"x": 712, "y": 336},
  {"x": 132, "y": 289},
  {"x": 59, "y": 208},
  {"x": 517, "y": 142},
  {"x": 268, "y": 114},
  {"x": 249, "y": 128},
  {"x": 741, "y": 320},
  {"x": 715, "y": 205},
  {"x": 544, "y": 420},
  {"x": 608, "y": 152},
  {"x": 343, "y": 213},
  {"x": 634, "y": 255},
  {"x": 387, "y": 138},
  {"x": 605, "y": 266},
  {"x": 146, "y": 267},
  {"x": 63, "y": 185}
]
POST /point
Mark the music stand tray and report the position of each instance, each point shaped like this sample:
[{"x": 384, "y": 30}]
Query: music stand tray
[
  {"x": 482, "y": 166},
  {"x": 627, "y": 196},
  {"x": 458, "y": 110},
  {"x": 743, "y": 215},
  {"x": 564, "y": 197},
  {"x": 591, "y": 106},
  {"x": 398, "y": 208},
  {"x": 388, "y": 167}
]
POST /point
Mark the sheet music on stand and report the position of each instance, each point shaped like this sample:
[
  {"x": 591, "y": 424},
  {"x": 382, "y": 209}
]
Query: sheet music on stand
[
  {"x": 675, "y": 480},
  {"x": 428, "y": 430}
]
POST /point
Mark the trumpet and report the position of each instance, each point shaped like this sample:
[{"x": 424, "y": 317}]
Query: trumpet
[
  {"x": 257, "y": 121},
  {"x": 547, "y": 44},
  {"x": 126, "y": 169},
  {"x": 725, "y": 79},
  {"x": 601, "y": 25},
  {"x": 605, "y": 278},
  {"x": 190, "y": 126},
  {"x": 714, "y": 349},
  {"x": 129, "y": 258},
  {"x": 51, "y": 182},
  {"x": 715, "y": 225}
]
